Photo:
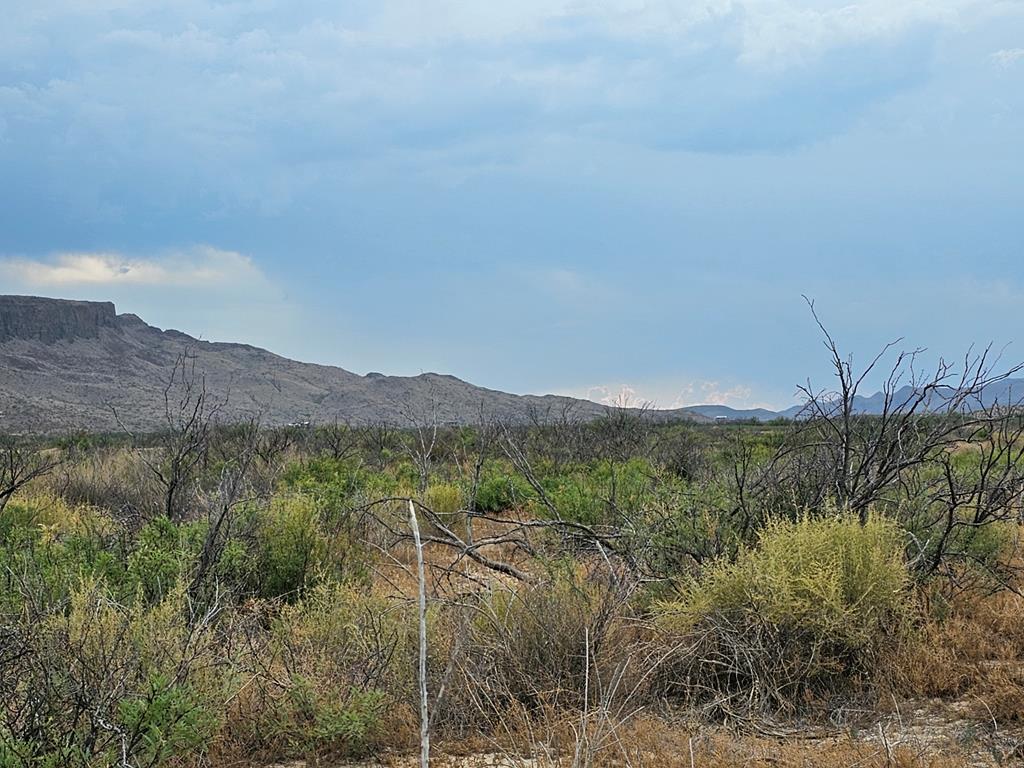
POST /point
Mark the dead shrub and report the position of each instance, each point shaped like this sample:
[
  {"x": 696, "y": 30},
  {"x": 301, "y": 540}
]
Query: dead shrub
[
  {"x": 116, "y": 480},
  {"x": 564, "y": 646}
]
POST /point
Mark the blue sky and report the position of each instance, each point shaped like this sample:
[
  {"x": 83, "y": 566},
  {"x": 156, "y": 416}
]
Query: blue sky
[{"x": 571, "y": 196}]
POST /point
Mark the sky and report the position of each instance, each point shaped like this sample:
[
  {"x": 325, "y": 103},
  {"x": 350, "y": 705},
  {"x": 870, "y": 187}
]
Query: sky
[{"x": 619, "y": 199}]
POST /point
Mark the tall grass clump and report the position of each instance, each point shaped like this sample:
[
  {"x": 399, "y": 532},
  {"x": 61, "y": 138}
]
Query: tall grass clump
[{"x": 810, "y": 612}]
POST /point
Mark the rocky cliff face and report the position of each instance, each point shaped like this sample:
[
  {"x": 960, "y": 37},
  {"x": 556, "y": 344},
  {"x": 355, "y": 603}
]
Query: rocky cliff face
[{"x": 51, "y": 320}]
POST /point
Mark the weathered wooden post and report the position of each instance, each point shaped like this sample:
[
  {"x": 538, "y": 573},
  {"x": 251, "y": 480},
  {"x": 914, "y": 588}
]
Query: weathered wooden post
[{"x": 422, "y": 618}]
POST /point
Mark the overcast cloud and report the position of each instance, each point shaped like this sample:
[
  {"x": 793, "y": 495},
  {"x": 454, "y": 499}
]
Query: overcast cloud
[{"x": 535, "y": 196}]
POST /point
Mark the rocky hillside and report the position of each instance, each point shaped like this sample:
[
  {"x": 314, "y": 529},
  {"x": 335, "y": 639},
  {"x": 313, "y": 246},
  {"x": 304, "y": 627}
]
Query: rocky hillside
[{"x": 70, "y": 365}]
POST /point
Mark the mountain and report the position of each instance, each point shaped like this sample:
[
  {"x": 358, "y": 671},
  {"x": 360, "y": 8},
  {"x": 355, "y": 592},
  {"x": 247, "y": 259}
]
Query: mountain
[
  {"x": 719, "y": 412},
  {"x": 69, "y": 365},
  {"x": 1007, "y": 392}
]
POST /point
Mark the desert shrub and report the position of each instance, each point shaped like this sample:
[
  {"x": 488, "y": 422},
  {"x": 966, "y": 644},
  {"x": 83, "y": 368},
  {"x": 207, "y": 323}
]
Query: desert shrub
[
  {"x": 534, "y": 640},
  {"x": 682, "y": 451},
  {"x": 166, "y": 719},
  {"x": 501, "y": 489},
  {"x": 527, "y": 649},
  {"x": 51, "y": 545},
  {"x": 115, "y": 479},
  {"x": 157, "y": 560},
  {"x": 288, "y": 546},
  {"x": 13, "y": 752},
  {"x": 338, "y": 488},
  {"x": 970, "y": 557},
  {"x": 53, "y": 517},
  {"x": 808, "y": 612},
  {"x": 683, "y": 529},
  {"x": 967, "y": 647},
  {"x": 342, "y": 677},
  {"x": 444, "y": 498},
  {"x": 333, "y": 483},
  {"x": 104, "y": 682},
  {"x": 602, "y": 492},
  {"x": 328, "y": 722}
]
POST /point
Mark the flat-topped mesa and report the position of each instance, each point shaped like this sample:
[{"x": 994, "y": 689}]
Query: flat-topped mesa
[{"x": 52, "y": 320}]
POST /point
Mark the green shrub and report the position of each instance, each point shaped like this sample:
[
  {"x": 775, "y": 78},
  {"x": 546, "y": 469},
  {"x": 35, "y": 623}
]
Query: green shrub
[
  {"x": 337, "y": 486},
  {"x": 981, "y": 556},
  {"x": 156, "y": 562},
  {"x": 166, "y": 720},
  {"x": 288, "y": 547},
  {"x": 681, "y": 528},
  {"x": 343, "y": 663},
  {"x": 330, "y": 722},
  {"x": 13, "y": 751},
  {"x": 109, "y": 683},
  {"x": 811, "y": 610},
  {"x": 831, "y": 576},
  {"x": 500, "y": 490},
  {"x": 332, "y": 482},
  {"x": 599, "y": 493},
  {"x": 52, "y": 545},
  {"x": 444, "y": 498}
]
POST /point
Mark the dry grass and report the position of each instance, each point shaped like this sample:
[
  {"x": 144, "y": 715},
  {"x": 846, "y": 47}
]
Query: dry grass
[
  {"x": 974, "y": 653},
  {"x": 654, "y": 743},
  {"x": 115, "y": 480}
]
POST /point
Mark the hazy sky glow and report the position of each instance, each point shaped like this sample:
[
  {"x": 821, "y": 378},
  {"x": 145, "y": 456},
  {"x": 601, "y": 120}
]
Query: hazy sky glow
[{"x": 587, "y": 197}]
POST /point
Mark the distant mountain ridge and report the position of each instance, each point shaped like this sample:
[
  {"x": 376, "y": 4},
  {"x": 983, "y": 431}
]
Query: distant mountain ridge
[
  {"x": 70, "y": 365},
  {"x": 734, "y": 414}
]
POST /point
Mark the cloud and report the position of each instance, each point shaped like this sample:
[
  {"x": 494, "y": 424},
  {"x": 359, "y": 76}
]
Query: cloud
[
  {"x": 1008, "y": 57},
  {"x": 200, "y": 267},
  {"x": 669, "y": 394},
  {"x": 623, "y": 396},
  {"x": 625, "y": 167},
  {"x": 269, "y": 111},
  {"x": 714, "y": 393},
  {"x": 763, "y": 32},
  {"x": 780, "y": 33},
  {"x": 253, "y": 84}
]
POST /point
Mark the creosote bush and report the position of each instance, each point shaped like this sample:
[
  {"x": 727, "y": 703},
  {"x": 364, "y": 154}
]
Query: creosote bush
[
  {"x": 501, "y": 489},
  {"x": 337, "y": 681},
  {"x": 444, "y": 498},
  {"x": 104, "y": 683},
  {"x": 289, "y": 546},
  {"x": 806, "y": 613}
]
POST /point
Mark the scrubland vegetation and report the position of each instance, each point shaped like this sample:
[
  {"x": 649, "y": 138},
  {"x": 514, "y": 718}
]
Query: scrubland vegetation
[{"x": 618, "y": 592}]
